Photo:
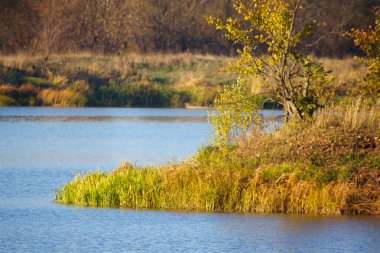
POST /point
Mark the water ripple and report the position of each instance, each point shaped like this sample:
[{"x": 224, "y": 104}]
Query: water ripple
[{"x": 45, "y": 118}]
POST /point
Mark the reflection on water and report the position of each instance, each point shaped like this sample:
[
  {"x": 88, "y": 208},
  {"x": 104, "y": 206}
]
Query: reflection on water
[
  {"x": 111, "y": 115},
  {"x": 43, "y": 148},
  {"x": 105, "y": 118}
]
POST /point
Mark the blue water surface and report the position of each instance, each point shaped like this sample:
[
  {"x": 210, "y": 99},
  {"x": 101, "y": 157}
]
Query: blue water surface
[{"x": 43, "y": 148}]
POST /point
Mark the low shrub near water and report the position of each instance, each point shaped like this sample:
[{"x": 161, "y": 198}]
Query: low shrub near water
[
  {"x": 62, "y": 98},
  {"x": 327, "y": 166},
  {"x": 6, "y": 101}
]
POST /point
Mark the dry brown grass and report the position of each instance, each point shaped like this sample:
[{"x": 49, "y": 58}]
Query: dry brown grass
[
  {"x": 355, "y": 115},
  {"x": 6, "y": 89},
  {"x": 61, "y": 98},
  {"x": 347, "y": 73}
]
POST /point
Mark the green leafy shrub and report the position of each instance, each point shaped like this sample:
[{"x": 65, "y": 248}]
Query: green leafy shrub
[{"x": 235, "y": 113}]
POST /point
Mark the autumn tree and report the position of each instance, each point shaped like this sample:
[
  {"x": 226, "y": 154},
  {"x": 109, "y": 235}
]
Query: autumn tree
[
  {"x": 176, "y": 26},
  {"x": 272, "y": 39},
  {"x": 103, "y": 26},
  {"x": 368, "y": 40},
  {"x": 55, "y": 24}
]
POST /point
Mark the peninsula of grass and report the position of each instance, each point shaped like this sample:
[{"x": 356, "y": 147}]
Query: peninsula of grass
[{"x": 328, "y": 165}]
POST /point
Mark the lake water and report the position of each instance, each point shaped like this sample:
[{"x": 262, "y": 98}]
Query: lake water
[{"x": 43, "y": 148}]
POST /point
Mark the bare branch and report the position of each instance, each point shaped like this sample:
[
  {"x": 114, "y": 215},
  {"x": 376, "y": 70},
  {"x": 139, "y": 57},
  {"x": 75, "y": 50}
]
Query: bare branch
[{"x": 321, "y": 38}]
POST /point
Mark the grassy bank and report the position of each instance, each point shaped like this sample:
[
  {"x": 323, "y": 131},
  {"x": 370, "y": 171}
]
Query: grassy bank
[
  {"x": 330, "y": 165},
  {"x": 155, "y": 80}
]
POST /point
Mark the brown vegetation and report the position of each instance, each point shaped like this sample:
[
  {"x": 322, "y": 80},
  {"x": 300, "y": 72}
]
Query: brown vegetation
[{"x": 116, "y": 26}]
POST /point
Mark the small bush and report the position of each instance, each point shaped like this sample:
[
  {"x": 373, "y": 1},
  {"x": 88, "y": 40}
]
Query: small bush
[
  {"x": 235, "y": 114},
  {"x": 7, "y": 101},
  {"x": 28, "y": 89},
  {"x": 64, "y": 98}
]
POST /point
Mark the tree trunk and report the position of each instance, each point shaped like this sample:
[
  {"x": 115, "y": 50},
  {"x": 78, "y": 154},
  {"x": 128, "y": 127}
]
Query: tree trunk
[{"x": 292, "y": 112}]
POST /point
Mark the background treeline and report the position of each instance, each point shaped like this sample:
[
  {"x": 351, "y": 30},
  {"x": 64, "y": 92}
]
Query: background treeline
[{"x": 119, "y": 26}]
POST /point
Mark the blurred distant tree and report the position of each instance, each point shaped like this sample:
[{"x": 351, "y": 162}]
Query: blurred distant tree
[
  {"x": 16, "y": 18},
  {"x": 177, "y": 26},
  {"x": 340, "y": 16},
  {"x": 55, "y": 23},
  {"x": 102, "y": 26},
  {"x": 368, "y": 40}
]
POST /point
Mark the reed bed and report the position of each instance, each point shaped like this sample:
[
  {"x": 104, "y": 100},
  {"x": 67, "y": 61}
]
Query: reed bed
[
  {"x": 199, "y": 190},
  {"x": 216, "y": 190}
]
